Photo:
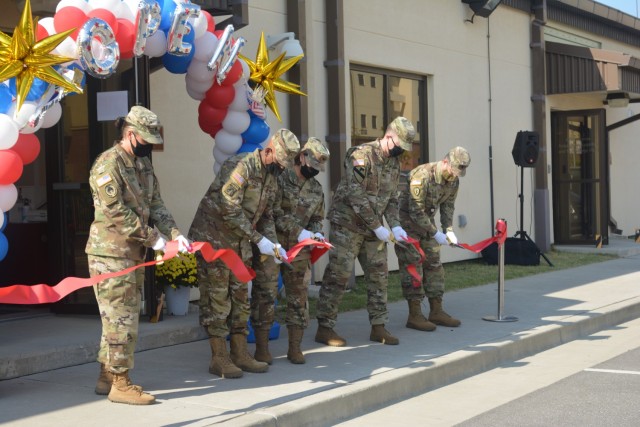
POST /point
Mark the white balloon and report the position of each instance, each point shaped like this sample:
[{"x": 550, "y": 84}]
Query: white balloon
[
  {"x": 80, "y": 4},
  {"x": 8, "y": 197},
  {"x": 198, "y": 70},
  {"x": 1, "y": 218},
  {"x": 198, "y": 96},
  {"x": 205, "y": 46},
  {"x": 156, "y": 45},
  {"x": 240, "y": 101},
  {"x": 220, "y": 156},
  {"x": 24, "y": 114},
  {"x": 216, "y": 168},
  {"x": 236, "y": 122},
  {"x": 123, "y": 12},
  {"x": 245, "y": 68},
  {"x": 68, "y": 48},
  {"x": 197, "y": 86},
  {"x": 227, "y": 142},
  {"x": 110, "y": 5},
  {"x": 51, "y": 116},
  {"x": 8, "y": 132},
  {"x": 199, "y": 25},
  {"x": 28, "y": 128},
  {"x": 47, "y": 24}
]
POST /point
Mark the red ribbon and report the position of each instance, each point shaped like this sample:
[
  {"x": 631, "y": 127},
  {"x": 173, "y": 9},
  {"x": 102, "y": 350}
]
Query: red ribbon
[
  {"x": 411, "y": 268},
  {"x": 319, "y": 249},
  {"x": 43, "y": 294}
]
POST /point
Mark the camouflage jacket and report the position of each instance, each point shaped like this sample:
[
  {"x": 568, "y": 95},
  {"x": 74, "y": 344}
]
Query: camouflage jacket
[
  {"x": 300, "y": 206},
  {"x": 421, "y": 195},
  {"x": 240, "y": 201},
  {"x": 126, "y": 195},
  {"x": 367, "y": 190}
]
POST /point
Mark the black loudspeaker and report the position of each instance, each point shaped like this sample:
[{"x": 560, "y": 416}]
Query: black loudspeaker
[
  {"x": 517, "y": 252},
  {"x": 525, "y": 149}
]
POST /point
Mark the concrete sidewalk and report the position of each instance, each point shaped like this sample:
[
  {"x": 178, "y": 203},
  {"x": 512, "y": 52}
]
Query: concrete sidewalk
[{"x": 334, "y": 384}]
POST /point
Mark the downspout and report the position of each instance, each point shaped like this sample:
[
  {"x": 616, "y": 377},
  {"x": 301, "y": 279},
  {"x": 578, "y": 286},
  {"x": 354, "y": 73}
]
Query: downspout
[
  {"x": 299, "y": 105},
  {"x": 538, "y": 98}
]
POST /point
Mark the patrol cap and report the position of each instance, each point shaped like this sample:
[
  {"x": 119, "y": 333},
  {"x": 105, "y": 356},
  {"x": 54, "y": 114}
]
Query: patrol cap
[
  {"x": 459, "y": 159},
  {"x": 405, "y": 131},
  {"x": 316, "y": 153},
  {"x": 286, "y": 146},
  {"x": 146, "y": 123}
]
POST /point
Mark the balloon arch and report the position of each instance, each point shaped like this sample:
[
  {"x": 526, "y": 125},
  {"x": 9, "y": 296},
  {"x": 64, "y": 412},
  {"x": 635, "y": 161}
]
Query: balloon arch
[{"x": 46, "y": 60}]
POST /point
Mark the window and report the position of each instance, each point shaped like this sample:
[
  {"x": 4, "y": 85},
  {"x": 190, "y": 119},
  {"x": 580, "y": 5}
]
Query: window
[{"x": 399, "y": 94}]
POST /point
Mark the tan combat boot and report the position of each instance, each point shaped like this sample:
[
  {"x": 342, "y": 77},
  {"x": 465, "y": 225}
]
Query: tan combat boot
[
  {"x": 242, "y": 359},
  {"x": 416, "y": 320},
  {"x": 438, "y": 316},
  {"x": 329, "y": 337},
  {"x": 262, "y": 346},
  {"x": 295, "y": 338},
  {"x": 122, "y": 391},
  {"x": 380, "y": 334},
  {"x": 105, "y": 378},
  {"x": 221, "y": 365}
]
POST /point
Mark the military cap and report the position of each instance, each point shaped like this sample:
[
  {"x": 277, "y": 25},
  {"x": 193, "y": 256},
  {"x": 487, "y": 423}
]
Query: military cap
[
  {"x": 459, "y": 159},
  {"x": 146, "y": 123},
  {"x": 316, "y": 153},
  {"x": 405, "y": 131},
  {"x": 286, "y": 147}
]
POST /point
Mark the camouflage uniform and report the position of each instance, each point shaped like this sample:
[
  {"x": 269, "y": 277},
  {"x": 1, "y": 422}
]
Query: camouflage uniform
[
  {"x": 300, "y": 206},
  {"x": 421, "y": 195},
  {"x": 126, "y": 196},
  {"x": 236, "y": 211},
  {"x": 366, "y": 193}
]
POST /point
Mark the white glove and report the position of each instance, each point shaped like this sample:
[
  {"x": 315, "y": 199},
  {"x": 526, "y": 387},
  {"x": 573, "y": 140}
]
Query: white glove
[
  {"x": 283, "y": 254},
  {"x": 305, "y": 234},
  {"x": 184, "y": 245},
  {"x": 441, "y": 238},
  {"x": 159, "y": 244},
  {"x": 452, "y": 237},
  {"x": 382, "y": 233},
  {"x": 266, "y": 247},
  {"x": 399, "y": 233},
  {"x": 319, "y": 236}
]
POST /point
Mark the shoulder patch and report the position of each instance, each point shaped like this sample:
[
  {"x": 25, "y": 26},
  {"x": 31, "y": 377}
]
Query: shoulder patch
[
  {"x": 238, "y": 178},
  {"x": 104, "y": 179},
  {"x": 358, "y": 162},
  {"x": 231, "y": 189},
  {"x": 416, "y": 191},
  {"x": 415, "y": 182},
  {"x": 111, "y": 190}
]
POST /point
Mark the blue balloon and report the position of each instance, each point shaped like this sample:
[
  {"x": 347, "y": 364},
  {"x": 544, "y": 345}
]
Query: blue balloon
[
  {"x": 5, "y": 98},
  {"x": 257, "y": 131},
  {"x": 178, "y": 64},
  {"x": 168, "y": 7},
  {"x": 4, "y": 246},
  {"x": 38, "y": 88},
  {"x": 248, "y": 148},
  {"x": 6, "y": 221}
]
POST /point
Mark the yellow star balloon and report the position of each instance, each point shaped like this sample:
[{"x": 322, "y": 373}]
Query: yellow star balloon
[
  {"x": 267, "y": 74},
  {"x": 25, "y": 59}
]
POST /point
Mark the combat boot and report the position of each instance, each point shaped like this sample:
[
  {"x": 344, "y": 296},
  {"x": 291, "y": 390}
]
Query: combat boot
[
  {"x": 262, "y": 346},
  {"x": 440, "y": 317},
  {"x": 416, "y": 320},
  {"x": 122, "y": 391},
  {"x": 103, "y": 386},
  {"x": 294, "y": 354},
  {"x": 221, "y": 364},
  {"x": 329, "y": 337},
  {"x": 380, "y": 334},
  {"x": 242, "y": 359}
]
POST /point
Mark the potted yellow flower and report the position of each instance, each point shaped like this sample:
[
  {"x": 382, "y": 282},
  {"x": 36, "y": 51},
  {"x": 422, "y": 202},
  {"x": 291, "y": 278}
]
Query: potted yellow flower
[{"x": 176, "y": 276}]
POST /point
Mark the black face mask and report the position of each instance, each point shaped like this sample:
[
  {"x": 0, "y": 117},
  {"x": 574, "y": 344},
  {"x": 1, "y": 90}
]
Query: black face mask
[
  {"x": 140, "y": 150},
  {"x": 274, "y": 169},
  {"x": 308, "y": 172},
  {"x": 395, "y": 151}
]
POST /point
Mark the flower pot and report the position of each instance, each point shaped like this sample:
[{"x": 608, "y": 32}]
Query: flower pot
[{"x": 177, "y": 300}]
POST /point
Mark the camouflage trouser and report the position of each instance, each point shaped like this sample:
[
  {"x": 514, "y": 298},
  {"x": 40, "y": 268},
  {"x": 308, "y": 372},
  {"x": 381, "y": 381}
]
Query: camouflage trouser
[
  {"x": 430, "y": 270},
  {"x": 347, "y": 246},
  {"x": 119, "y": 303},
  {"x": 224, "y": 300},
  {"x": 296, "y": 286}
]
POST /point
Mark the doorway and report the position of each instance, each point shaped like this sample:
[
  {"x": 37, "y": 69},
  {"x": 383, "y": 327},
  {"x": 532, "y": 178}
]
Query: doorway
[{"x": 580, "y": 171}]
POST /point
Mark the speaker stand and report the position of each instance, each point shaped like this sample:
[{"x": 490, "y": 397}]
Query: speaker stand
[{"x": 521, "y": 233}]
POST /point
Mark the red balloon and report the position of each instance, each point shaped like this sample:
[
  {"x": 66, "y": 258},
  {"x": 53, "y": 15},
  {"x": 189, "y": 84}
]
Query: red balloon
[
  {"x": 215, "y": 131},
  {"x": 234, "y": 74},
  {"x": 220, "y": 96},
  {"x": 126, "y": 37},
  {"x": 211, "y": 23},
  {"x": 41, "y": 33},
  {"x": 107, "y": 16},
  {"x": 27, "y": 147},
  {"x": 67, "y": 18},
  {"x": 210, "y": 117},
  {"x": 10, "y": 167}
]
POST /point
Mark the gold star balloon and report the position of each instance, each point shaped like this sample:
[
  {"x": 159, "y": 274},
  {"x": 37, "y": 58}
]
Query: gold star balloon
[
  {"x": 25, "y": 59},
  {"x": 267, "y": 74}
]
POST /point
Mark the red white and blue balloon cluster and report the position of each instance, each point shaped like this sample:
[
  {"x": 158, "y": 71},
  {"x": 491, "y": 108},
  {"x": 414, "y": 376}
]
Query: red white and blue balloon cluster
[{"x": 102, "y": 32}]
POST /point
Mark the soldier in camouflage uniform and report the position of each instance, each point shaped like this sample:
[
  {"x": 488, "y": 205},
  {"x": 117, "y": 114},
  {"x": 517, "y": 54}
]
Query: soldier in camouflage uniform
[
  {"x": 366, "y": 193},
  {"x": 299, "y": 213},
  {"x": 126, "y": 196},
  {"x": 429, "y": 187},
  {"x": 237, "y": 213}
]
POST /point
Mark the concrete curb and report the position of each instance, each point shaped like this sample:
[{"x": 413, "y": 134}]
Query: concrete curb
[{"x": 343, "y": 401}]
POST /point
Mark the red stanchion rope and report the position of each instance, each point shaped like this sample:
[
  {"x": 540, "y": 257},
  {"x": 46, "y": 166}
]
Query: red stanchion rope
[{"x": 43, "y": 294}]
